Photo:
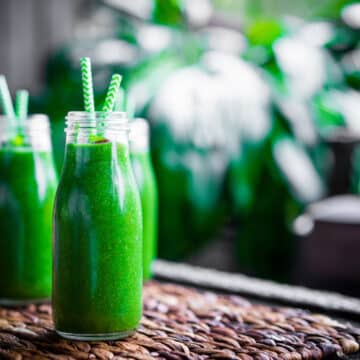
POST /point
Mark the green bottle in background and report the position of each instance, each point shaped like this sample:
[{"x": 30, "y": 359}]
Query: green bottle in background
[
  {"x": 146, "y": 181},
  {"x": 28, "y": 183}
]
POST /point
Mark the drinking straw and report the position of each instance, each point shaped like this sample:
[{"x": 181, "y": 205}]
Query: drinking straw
[
  {"x": 22, "y": 103},
  {"x": 5, "y": 98},
  {"x": 87, "y": 84},
  {"x": 120, "y": 100},
  {"x": 130, "y": 108},
  {"x": 124, "y": 103},
  {"x": 112, "y": 93}
]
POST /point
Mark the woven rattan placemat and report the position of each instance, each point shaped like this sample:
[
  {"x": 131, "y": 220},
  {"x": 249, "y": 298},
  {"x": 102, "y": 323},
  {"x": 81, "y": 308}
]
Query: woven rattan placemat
[{"x": 183, "y": 323}]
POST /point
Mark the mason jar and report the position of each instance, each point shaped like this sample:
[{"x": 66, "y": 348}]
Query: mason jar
[
  {"x": 97, "y": 270},
  {"x": 28, "y": 184},
  {"x": 145, "y": 179}
]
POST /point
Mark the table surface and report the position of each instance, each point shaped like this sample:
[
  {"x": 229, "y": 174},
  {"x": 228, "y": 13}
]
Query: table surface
[
  {"x": 328, "y": 302},
  {"x": 342, "y": 308},
  {"x": 206, "y": 320}
]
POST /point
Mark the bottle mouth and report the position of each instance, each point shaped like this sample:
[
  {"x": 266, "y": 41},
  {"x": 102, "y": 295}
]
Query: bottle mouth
[
  {"x": 34, "y": 122},
  {"x": 97, "y": 115},
  {"x": 83, "y": 120},
  {"x": 31, "y": 132}
]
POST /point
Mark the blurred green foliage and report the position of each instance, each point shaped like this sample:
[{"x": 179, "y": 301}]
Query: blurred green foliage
[
  {"x": 251, "y": 10},
  {"x": 252, "y": 186}
]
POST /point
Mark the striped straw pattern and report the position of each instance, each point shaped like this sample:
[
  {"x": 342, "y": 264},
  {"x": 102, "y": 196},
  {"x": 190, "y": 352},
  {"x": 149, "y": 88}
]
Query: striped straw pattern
[
  {"x": 87, "y": 84},
  {"x": 5, "y": 98},
  {"x": 22, "y": 104},
  {"x": 112, "y": 93}
]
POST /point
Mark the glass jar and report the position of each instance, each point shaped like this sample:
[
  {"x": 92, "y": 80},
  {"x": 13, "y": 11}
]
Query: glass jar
[
  {"x": 28, "y": 184},
  {"x": 97, "y": 272},
  {"x": 145, "y": 179}
]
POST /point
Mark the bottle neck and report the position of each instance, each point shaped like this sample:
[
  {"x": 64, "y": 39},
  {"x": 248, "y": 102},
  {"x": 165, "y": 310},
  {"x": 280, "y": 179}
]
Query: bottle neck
[
  {"x": 32, "y": 132},
  {"x": 96, "y": 128},
  {"x": 139, "y": 136}
]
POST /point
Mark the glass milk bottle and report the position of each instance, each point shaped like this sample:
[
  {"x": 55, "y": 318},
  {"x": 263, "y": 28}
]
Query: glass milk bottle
[
  {"x": 97, "y": 277},
  {"x": 28, "y": 184},
  {"x": 145, "y": 178}
]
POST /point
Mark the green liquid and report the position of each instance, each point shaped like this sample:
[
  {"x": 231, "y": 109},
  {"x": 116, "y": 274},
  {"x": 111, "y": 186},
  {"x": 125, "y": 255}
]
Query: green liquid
[
  {"x": 97, "y": 286},
  {"x": 145, "y": 178},
  {"x": 27, "y": 191}
]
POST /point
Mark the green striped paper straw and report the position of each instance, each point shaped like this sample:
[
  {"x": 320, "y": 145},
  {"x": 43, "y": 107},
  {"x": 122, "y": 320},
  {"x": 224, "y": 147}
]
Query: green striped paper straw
[
  {"x": 22, "y": 104},
  {"x": 87, "y": 84},
  {"x": 5, "y": 98},
  {"x": 112, "y": 93}
]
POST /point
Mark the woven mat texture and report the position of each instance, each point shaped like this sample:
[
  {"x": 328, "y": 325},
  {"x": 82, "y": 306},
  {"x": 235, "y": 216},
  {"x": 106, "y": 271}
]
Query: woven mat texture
[{"x": 183, "y": 323}]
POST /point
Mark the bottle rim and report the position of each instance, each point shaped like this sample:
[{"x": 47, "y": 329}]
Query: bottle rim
[
  {"x": 83, "y": 115},
  {"x": 33, "y": 122},
  {"x": 84, "y": 120}
]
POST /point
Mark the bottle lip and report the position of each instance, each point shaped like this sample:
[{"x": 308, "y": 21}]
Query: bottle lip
[
  {"x": 84, "y": 122},
  {"x": 113, "y": 120},
  {"x": 32, "y": 122},
  {"x": 97, "y": 115}
]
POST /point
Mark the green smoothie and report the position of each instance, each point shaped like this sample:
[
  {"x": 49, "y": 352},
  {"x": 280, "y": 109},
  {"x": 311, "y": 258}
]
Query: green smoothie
[
  {"x": 27, "y": 190},
  {"x": 97, "y": 277},
  {"x": 145, "y": 178}
]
